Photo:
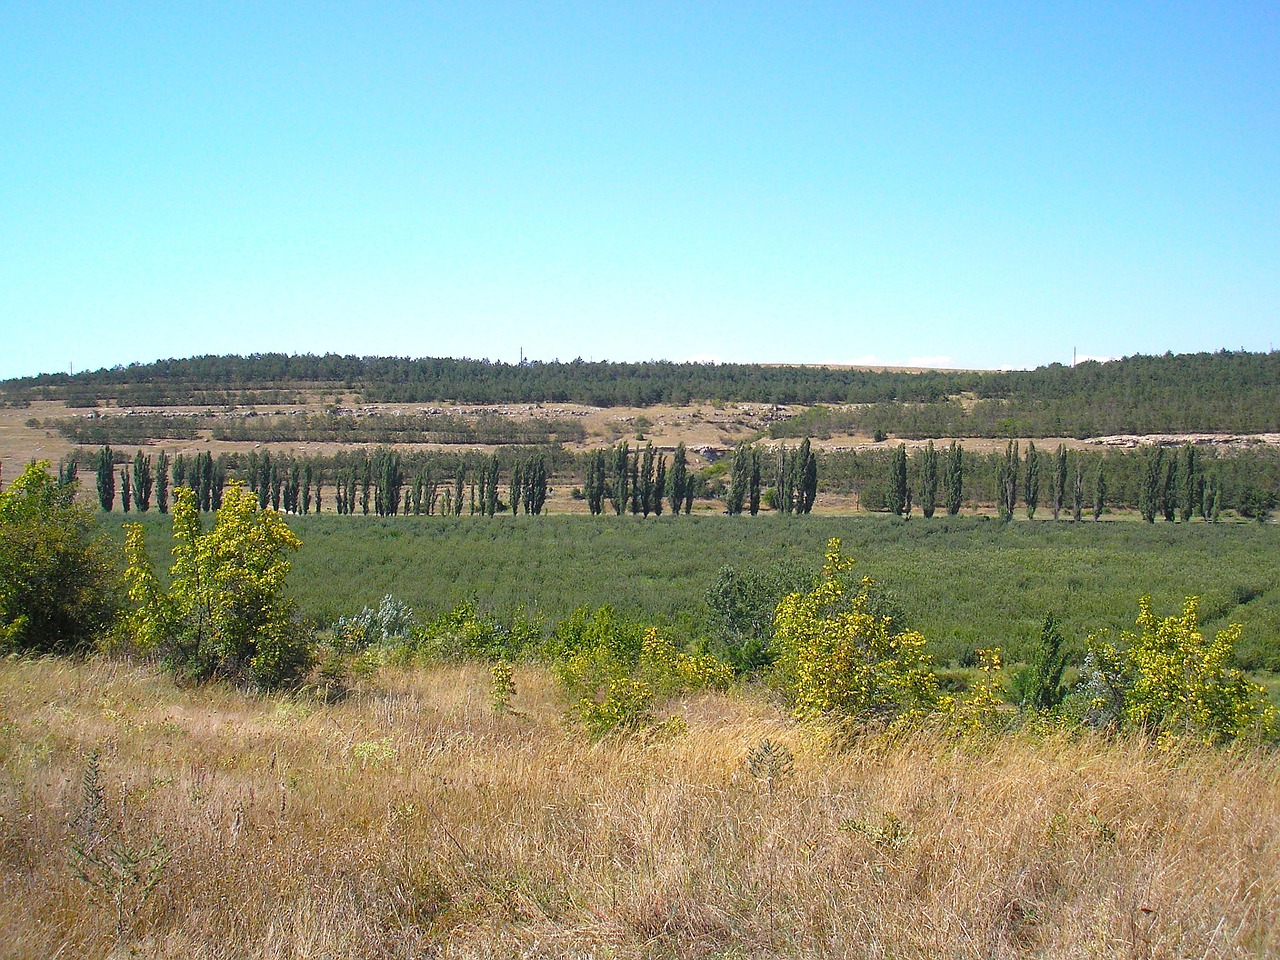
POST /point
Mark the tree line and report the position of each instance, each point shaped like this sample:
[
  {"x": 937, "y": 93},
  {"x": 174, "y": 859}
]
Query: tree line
[{"x": 1235, "y": 391}]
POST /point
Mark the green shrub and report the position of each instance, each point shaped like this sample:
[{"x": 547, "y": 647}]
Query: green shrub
[{"x": 59, "y": 589}]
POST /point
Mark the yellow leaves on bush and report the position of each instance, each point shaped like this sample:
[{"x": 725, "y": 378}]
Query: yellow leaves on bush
[{"x": 837, "y": 658}]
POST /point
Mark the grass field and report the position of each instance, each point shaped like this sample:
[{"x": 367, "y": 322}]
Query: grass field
[
  {"x": 964, "y": 582},
  {"x": 409, "y": 820}
]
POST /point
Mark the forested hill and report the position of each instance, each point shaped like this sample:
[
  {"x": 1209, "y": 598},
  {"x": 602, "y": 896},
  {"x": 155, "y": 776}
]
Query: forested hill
[{"x": 1223, "y": 391}]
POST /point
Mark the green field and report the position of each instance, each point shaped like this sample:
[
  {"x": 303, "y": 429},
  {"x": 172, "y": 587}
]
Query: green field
[{"x": 964, "y": 582}]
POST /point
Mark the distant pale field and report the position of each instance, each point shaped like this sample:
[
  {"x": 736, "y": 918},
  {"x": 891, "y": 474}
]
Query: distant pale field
[{"x": 409, "y": 821}]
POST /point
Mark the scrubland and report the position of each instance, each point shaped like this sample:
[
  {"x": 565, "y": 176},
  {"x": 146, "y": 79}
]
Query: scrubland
[{"x": 408, "y": 819}]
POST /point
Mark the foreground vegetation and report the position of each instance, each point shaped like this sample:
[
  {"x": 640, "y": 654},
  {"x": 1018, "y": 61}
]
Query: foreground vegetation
[{"x": 410, "y": 819}]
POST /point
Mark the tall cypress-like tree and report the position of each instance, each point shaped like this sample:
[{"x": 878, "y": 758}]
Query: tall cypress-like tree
[
  {"x": 679, "y": 478},
  {"x": 647, "y": 478},
  {"x": 1059, "y": 485},
  {"x": 162, "y": 482},
  {"x": 1007, "y": 481},
  {"x": 659, "y": 484},
  {"x": 1169, "y": 489},
  {"x": 898, "y": 481},
  {"x": 953, "y": 479},
  {"x": 1151, "y": 484},
  {"x": 142, "y": 482},
  {"x": 1188, "y": 482},
  {"x": 1099, "y": 490},
  {"x": 928, "y": 480},
  {"x": 739, "y": 480},
  {"x": 1077, "y": 492},
  {"x": 126, "y": 500},
  {"x": 806, "y": 478},
  {"x": 620, "y": 490},
  {"x": 783, "y": 496},
  {"x": 1032, "y": 485},
  {"x": 753, "y": 488},
  {"x": 106, "y": 479}
]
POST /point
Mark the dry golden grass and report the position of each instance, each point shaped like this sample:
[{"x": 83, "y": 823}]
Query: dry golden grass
[{"x": 409, "y": 821}]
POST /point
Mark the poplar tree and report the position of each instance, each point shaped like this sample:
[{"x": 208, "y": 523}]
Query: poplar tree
[
  {"x": 106, "y": 479},
  {"x": 1077, "y": 492},
  {"x": 1152, "y": 483},
  {"x": 1059, "y": 485},
  {"x": 928, "y": 480},
  {"x": 659, "y": 484},
  {"x": 1007, "y": 481},
  {"x": 898, "y": 481},
  {"x": 1188, "y": 482},
  {"x": 142, "y": 482},
  {"x": 162, "y": 482},
  {"x": 753, "y": 488},
  {"x": 619, "y": 493},
  {"x": 1032, "y": 485},
  {"x": 679, "y": 478},
  {"x": 647, "y": 478},
  {"x": 953, "y": 478},
  {"x": 738, "y": 480},
  {"x": 1099, "y": 490},
  {"x": 806, "y": 483},
  {"x": 783, "y": 486},
  {"x": 125, "y": 500}
]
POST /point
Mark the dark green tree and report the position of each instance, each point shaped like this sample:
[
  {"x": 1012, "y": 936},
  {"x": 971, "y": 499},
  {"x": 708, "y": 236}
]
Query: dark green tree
[
  {"x": 1189, "y": 496},
  {"x": 928, "y": 480},
  {"x": 898, "y": 492},
  {"x": 1032, "y": 483},
  {"x": 953, "y": 478},
  {"x": 162, "y": 482},
  {"x": 1152, "y": 483},
  {"x": 1007, "y": 481},
  {"x": 126, "y": 498},
  {"x": 1059, "y": 485},
  {"x": 739, "y": 480},
  {"x": 1099, "y": 490},
  {"x": 106, "y": 479},
  {"x": 753, "y": 487},
  {"x": 1077, "y": 492},
  {"x": 620, "y": 490},
  {"x": 679, "y": 478},
  {"x": 1039, "y": 685},
  {"x": 659, "y": 484}
]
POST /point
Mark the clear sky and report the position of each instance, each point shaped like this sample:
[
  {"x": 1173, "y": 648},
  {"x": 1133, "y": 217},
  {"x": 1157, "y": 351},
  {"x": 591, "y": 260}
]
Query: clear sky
[{"x": 953, "y": 184}]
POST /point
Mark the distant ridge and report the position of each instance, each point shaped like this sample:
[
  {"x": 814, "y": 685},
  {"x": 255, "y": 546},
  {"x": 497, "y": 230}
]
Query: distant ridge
[{"x": 1226, "y": 391}]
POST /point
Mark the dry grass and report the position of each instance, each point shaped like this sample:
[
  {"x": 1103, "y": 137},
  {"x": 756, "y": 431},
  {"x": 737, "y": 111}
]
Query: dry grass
[{"x": 409, "y": 821}]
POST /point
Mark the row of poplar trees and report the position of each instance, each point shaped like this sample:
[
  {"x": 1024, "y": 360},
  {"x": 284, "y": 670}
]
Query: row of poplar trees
[{"x": 143, "y": 477}]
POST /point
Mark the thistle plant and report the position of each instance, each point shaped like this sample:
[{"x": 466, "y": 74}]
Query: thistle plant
[{"x": 770, "y": 763}]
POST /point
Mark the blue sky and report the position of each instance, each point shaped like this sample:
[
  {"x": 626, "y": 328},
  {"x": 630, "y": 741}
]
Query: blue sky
[{"x": 961, "y": 184}]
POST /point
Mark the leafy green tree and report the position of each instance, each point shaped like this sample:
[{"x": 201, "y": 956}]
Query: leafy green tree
[
  {"x": 659, "y": 485},
  {"x": 806, "y": 477},
  {"x": 1031, "y": 485},
  {"x": 224, "y": 614},
  {"x": 1099, "y": 491},
  {"x": 953, "y": 478},
  {"x": 898, "y": 493},
  {"x": 106, "y": 479},
  {"x": 59, "y": 589},
  {"x": 784, "y": 482},
  {"x": 647, "y": 479},
  {"x": 928, "y": 480},
  {"x": 126, "y": 498},
  {"x": 1039, "y": 685},
  {"x": 742, "y": 606}
]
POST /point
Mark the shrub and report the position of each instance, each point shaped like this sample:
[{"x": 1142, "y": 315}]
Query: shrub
[
  {"x": 1168, "y": 679},
  {"x": 224, "y": 614},
  {"x": 59, "y": 589},
  {"x": 838, "y": 658}
]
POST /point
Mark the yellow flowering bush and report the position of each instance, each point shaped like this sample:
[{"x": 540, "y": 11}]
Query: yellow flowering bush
[
  {"x": 224, "y": 613},
  {"x": 1172, "y": 680},
  {"x": 838, "y": 658}
]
